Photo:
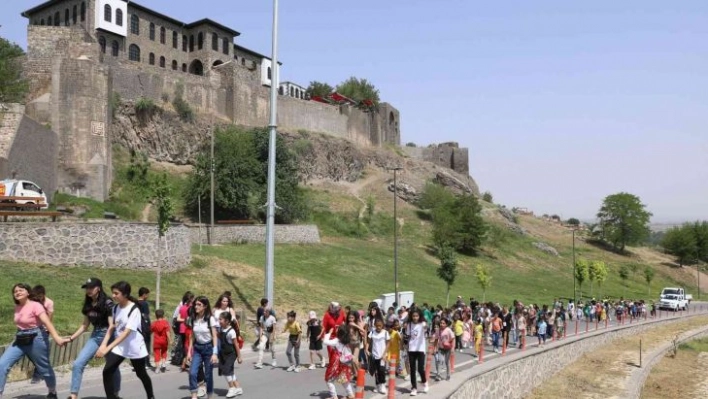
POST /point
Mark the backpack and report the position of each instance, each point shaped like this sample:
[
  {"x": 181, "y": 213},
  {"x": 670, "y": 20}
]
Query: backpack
[{"x": 135, "y": 306}]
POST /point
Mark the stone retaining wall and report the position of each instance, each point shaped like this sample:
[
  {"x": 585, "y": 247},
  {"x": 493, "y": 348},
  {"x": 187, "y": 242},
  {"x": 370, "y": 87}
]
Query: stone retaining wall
[
  {"x": 255, "y": 234},
  {"x": 525, "y": 371},
  {"x": 126, "y": 245}
]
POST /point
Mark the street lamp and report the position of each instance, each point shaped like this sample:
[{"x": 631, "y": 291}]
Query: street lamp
[
  {"x": 575, "y": 301},
  {"x": 272, "y": 127},
  {"x": 395, "y": 232}
]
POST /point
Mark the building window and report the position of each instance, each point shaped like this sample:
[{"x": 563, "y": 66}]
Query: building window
[
  {"x": 152, "y": 31},
  {"x": 102, "y": 43},
  {"x": 215, "y": 42},
  {"x": 200, "y": 40},
  {"x": 74, "y": 14},
  {"x": 270, "y": 73},
  {"x": 243, "y": 61},
  {"x": 162, "y": 62},
  {"x": 134, "y": 24},
  {"x": 151, "y": 59},
  {"x": 49, "y": 21},
  {"x": 108, "y": 13},
  {"x": 115, "y": 47},
  {"x": 292, "y": 91},
  {"x": 175, "y": 39},
  {"x": 184, "y": 67},
  {"x": 119, "y": 17},
  {"x": 280, "y": 90},
  {"x": 225, "y": 45},
  {"x": 191, "y": 43},
  {"x": 163, "y": 35},
  {"x": 174, "y": 65},
  {"x": 57, "y": 22},
  {"x": 42, "y": 21},
  {"x": 83, "y": 11},
  {"x": 134, "y": 53},
  {"x": 185, "y": 42},
  {"x": 67, "y": 20}
]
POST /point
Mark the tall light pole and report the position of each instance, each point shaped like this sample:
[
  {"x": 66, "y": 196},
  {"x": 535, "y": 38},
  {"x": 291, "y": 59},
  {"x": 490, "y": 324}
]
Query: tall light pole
[
  {"x": 395, "y": 233},
  {"x": 272, "y": 127},
  {"x": 211, "y": 171},
  {"x": 575, "y": 301}
]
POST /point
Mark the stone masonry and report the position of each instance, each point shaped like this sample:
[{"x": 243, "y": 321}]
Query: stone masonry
[
  {"x": 284, "y": 234},
  {"x": 113, "y": 245}
]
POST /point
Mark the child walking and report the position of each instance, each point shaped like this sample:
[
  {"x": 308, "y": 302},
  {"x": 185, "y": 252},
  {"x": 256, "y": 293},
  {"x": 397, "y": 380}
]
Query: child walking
[
  {"x": 292, "y": 327},
  {"x": 266, "y": 338},
  {"x": 380, "y": 345},
  {"x": 229, "y": 352},
  {"x": 340, "y": 361},
  {"x": 478, "y": 337},
  {"x": 445, "y": 341},
  {"x": 314, "y": 329},
  {"x": 541, "y": 331},
  {"x": 161, "y": 340}
]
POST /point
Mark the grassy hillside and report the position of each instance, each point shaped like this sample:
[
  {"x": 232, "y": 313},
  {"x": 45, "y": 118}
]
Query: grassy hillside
[{"x": 354, "y": 263}]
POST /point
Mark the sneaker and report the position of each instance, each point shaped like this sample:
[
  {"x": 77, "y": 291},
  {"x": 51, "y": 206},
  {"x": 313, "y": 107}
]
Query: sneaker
[
  {"x": 382, "y": 389},
  {"x": 52, "y": 395},
  {"x": 231, "y": 393},
  {"x": 447, "y": 378},
  {"x": 291, "y": 368},
  {"x": 274, "y": 364},
  {"x": 163, "y": 369},
  {"x": 312, "y": 367},
  {"x": 258, "y": 365},
  {"x": 238, "y": 391},
  {"x": 157, "y": 371},
  {"x": 296, "y": 369},
  {"x": 414, "y": 392},
  {"x": 426, "y": 388},
  {"x": 201, "y": 391},
  {"x": 324, "y": 364}
]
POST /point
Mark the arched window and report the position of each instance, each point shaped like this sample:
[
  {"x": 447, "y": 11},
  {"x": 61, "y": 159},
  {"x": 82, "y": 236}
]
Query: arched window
[
  {"x": 107, "y": 13},
  {"x": 292, "y": 91},
  {"x": 67, "y": 18},
  {"x": 215, "y": 42},
  {"x": 151, "y": 59},
  {"x": 119, "y": 17},
  {"x": 196, "y": 68},
  {"x": 57, "y": 21},
  {"x": 83, "y": 11},
  {"x": 297, "y": 93},
  {"x": 102, "y": 44},
  {"x": 75, "y": 14},
  {"x": 175, "y": 39},
  {"x": 184, "y": 67},
  {"x": 225, "y": 45},
  {"x": 200, "y": 40},
  {"x": 115, "y": 47},
  {"x": 49, "y": 21},
  {"x": 280, "y": 90},
  {"x": 42, "y": 21},
  {"x": 185, "y": 43},
  {"x": 191, "y": 43},
  {"x": 162, "y": 62},
  {"x": 270, "y": 74},
  {"x": 134, "y": 24},
  {"x": 163, "y": 35},
  {"x": 152, "y": 31},
  {"x": 174, "y": 65},
  {"x": 134, "y": 53}
]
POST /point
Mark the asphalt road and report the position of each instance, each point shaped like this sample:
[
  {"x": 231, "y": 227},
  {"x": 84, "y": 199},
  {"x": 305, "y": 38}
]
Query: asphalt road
[{"x": 269, "y": 382}]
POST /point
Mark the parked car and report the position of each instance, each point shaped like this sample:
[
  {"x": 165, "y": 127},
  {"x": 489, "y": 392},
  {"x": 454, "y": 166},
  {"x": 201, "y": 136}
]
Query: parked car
[{"x": 22, "y": 188}]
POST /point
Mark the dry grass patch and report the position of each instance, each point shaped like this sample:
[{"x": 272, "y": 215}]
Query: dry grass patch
[
  {"x": 603, "y": 373},
  {"x": 668, "y": 377}
]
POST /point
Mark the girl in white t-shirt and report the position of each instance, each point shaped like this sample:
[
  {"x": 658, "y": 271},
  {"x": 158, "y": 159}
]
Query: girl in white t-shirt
[
  {"x": 266, "y": 338},
  {"x": 380, "y": 340},
  {"x": 128, "y": 342},
  {"x": 416, "y": 349},
  {"x": 203, "y": 348},
  {"x": 229, "y": 353}
]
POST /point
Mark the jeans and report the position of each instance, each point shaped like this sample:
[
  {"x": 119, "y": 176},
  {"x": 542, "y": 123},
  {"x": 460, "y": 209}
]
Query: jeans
[
  {"x": 292, "y": 346},
  {"x": 87, "y": 353},
  {"x": 201, "y": 354},
  {"x": 37, "y": 352},
  {"x": 445, "y": 355},
  {"x": 495, "y": 339},
  {"x": 45, "y": 334},
  {"x": 113, "y": 362}
]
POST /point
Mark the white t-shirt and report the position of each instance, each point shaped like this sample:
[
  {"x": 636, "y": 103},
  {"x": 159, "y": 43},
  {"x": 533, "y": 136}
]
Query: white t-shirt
[
  {"x": 417, "y": 337},
  {"x": 201, "y": 330},
  {"x": 378, "y": 343},
  {"x": 133, "y": 346},
  {"x": 230, "y": 336},
  {"x": 269, "y": 322}
]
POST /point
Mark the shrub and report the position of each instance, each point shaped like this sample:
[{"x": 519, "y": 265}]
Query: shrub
[
  {"x": 487, "y": 197},
  {"x": 145, "y": 106},
  {"x": 183, "y": 110},
  {"x": 165, "y": 97},
  {"x": 114, "y": 103}
]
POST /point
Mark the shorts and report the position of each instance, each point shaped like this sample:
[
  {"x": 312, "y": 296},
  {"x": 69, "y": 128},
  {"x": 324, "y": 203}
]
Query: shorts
[
  {"x": 226, "y": 364},
  {"x": 316, "y": 345}
]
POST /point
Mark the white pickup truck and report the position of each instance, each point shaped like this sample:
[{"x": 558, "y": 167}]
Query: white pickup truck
[
  {"x": 673, "y": 299},
  {"x": 12, "y": 191}
]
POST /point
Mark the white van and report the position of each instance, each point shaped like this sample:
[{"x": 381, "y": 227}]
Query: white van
[{"x": 22, "y": 188}]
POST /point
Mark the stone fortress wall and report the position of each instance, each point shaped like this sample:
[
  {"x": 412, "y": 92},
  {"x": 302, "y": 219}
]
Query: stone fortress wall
[{"x": 77, "y": 62}]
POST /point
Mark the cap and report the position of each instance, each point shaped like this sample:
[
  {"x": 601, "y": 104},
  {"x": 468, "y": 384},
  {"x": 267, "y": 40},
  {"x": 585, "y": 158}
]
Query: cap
[
  {"x": 92, "y": 282},
  {"x": 334, "y": 305},
  {"x": 313, "y": 315}
]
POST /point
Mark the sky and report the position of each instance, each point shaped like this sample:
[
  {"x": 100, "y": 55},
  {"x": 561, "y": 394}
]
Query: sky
[{"x": 560, "y": 103}]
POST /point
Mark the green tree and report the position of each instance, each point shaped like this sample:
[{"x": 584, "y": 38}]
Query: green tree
[
  {"x": 359, "y": 90},
  {"x": 484, "y": 279},
  {"x": 633, "y": 268},
  {"x": 448, "y": 268},
  {"x": 488, "y": 197},
  {"x": 319, "y": 89},
  {"x": 700, "y": 231},
  {"x": 581, "y": 274},
  {"x": 681, "y": 242},
  {"x": 13, "y": 87},
  {"x": 648, "y": 277},
  {"x": 573, "y": 222},
  {"x": 241, "y": 165},
  {"x": 624, "y": 220},
  {"x": 593, "y": 271},
  {"x": 434, "y": 195},
  {"x": 165, "y": 211},
  {"x": 624, "y": 275},
  {"x": 459, "y": 223},
  {"x": 601, "y": 273}
]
